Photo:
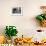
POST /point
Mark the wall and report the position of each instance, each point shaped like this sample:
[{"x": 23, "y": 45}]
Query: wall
[{"x": 25, "y": 24}]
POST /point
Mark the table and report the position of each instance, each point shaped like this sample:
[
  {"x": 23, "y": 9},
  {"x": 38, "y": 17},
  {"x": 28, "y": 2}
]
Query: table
[{"x": 25, "y": 44}]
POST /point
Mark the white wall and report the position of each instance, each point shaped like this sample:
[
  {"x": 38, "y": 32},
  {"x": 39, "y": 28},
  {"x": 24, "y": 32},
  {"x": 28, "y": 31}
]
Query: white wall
[{"x": 25, "y": 24}]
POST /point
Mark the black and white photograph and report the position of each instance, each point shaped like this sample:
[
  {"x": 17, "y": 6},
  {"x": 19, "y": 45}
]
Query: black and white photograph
[{"x": 17, "y": 11}]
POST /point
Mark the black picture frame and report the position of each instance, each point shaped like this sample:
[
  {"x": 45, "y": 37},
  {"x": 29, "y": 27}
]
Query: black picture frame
[{"x": 17, "y": 11}]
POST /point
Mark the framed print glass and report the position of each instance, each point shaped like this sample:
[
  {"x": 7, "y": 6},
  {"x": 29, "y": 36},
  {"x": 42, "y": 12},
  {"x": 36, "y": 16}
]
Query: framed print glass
[{"x": 17, "y": 11}]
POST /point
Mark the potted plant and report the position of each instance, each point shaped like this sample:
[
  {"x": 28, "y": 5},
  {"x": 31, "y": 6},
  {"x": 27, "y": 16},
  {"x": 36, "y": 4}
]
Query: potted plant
[
  {"x": 10, "y": 31},
  {"x": 42, "y": 17}
]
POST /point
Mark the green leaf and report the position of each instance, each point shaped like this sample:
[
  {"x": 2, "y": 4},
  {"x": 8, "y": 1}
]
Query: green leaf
[
  {"x": 45, "y": 16},
  {"x": 10, "y": 31},
  {"x": 40, "y": 18}
]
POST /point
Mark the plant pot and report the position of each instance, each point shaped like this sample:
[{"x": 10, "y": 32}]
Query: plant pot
[
  {"x": 13, "y": 38},
  {"x": 43, "y": 23},
  {"x": 9, "y": 41}
]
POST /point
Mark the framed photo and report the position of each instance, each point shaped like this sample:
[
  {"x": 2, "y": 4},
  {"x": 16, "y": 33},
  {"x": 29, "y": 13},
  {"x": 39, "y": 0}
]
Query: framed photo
[{"x": 17, "y": 11}]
